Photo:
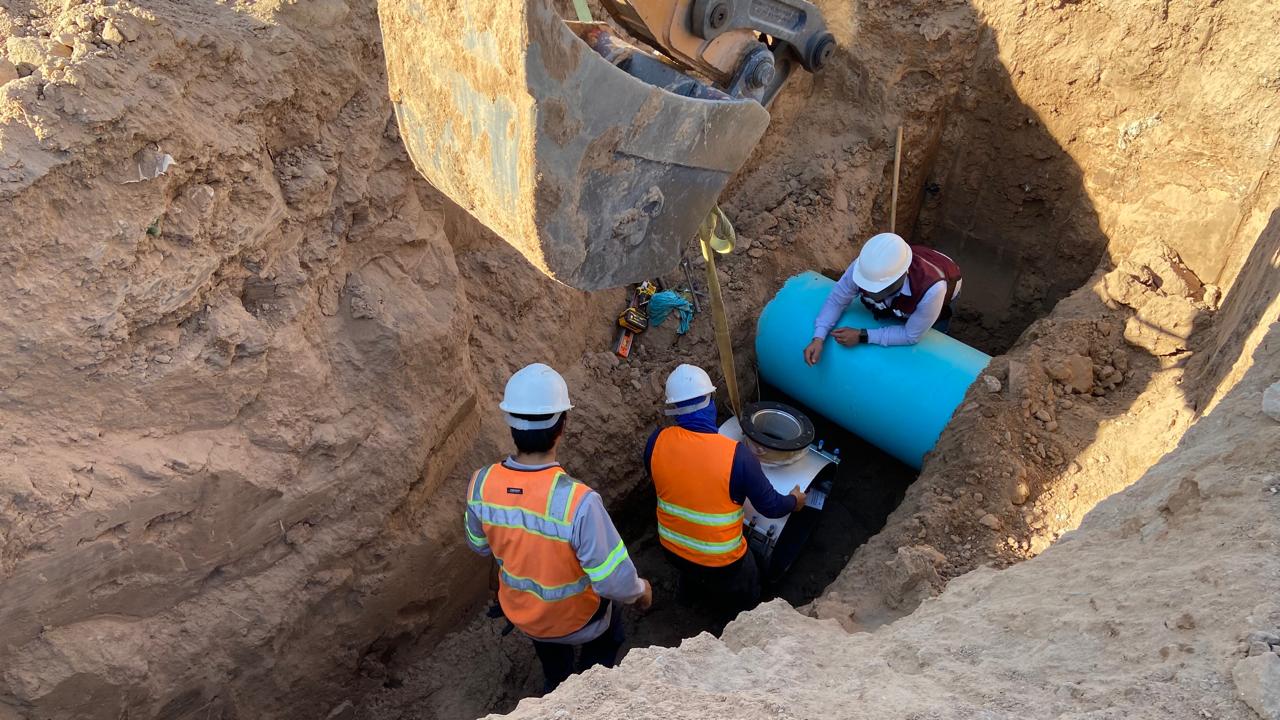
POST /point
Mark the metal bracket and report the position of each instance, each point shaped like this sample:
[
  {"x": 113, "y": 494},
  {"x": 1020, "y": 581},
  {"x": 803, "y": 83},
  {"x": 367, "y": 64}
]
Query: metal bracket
[
  {"x": 834, "y": 459},
  {"x": 797, "y": 23},
  {"x": 757, "y": 76}
]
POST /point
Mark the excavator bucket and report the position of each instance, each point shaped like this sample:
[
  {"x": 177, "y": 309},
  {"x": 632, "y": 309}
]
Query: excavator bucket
[{"x": 596, "y": 176}]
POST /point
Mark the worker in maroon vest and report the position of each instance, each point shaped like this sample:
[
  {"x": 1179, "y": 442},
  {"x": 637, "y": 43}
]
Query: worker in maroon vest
[{"x": 894, "y": 280}]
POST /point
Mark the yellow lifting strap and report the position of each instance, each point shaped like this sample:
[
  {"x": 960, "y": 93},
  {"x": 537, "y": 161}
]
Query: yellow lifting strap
[{"x": 716, "y": 235}]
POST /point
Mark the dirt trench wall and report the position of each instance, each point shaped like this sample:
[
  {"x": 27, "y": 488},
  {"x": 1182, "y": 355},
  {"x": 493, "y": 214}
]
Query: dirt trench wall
[
  {"x": 1087, "y": 129},
  {"x": 233, "y": 392},
  {"x": 225, "y": 383},
  {"x": 1031, "y": 180}
]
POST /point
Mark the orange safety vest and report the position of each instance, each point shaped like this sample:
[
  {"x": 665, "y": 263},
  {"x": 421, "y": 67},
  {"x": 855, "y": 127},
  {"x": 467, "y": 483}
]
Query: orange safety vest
[
  {"x": 528, "y": 522},
  {"x": 696, "y": 518}
]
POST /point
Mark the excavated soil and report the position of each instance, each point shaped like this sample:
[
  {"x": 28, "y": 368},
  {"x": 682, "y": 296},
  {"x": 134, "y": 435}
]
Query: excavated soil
[{"x": 240, "y": 399}]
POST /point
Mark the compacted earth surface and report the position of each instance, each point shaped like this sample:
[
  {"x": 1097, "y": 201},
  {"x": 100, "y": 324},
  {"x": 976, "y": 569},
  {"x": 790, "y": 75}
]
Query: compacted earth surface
[{"x": 240, "y": 398}]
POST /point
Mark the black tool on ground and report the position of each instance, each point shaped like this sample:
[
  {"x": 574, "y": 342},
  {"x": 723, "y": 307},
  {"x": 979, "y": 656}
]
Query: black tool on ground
[
  {"x": 636, "y": 315},
  {"x": 622, "y": 341},
  {"x": 693, "y": 290}
]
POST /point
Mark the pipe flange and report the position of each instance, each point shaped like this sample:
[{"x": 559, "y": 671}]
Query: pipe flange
[{"x": 776, "y": 426}]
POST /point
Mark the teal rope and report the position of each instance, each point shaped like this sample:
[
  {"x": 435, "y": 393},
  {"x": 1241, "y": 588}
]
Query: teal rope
[{"x": 661, "y": 305}]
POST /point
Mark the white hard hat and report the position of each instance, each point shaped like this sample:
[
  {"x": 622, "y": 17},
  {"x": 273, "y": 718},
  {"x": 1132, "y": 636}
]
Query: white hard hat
[
  {"x": 883, "y": 260},
  {"x": 535, "y": 390},
  {"x": 688, "y": 382}
]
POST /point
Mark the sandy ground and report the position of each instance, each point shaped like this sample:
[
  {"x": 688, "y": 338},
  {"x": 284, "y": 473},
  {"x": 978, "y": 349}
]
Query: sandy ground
[{"x": 240, "y": 399}]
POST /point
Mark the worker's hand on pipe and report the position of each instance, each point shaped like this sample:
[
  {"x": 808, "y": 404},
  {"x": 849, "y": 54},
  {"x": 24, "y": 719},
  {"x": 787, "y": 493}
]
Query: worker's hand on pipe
[
  {"x": 847, "y": 337},
  {"x": 813, "y": 351},
  {"x": 645, "y": 601},
  {"x": 798, "y": 494}
]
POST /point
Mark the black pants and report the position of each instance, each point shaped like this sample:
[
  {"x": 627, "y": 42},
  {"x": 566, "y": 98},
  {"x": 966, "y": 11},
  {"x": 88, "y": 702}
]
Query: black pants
[
  {"x": 726, "y": 590},
  {"x": 557, "y": 658}
]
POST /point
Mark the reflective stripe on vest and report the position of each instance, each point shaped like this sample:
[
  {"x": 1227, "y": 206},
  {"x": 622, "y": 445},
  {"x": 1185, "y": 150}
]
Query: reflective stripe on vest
[
  {"x": 528, "y": 520},
  {"x": 697, "y": 519},
  {"x": 545, "y": 593},
  {"x": 601, "y": 572},
  {"x": 710, "y": 548},
  {"x": 477, "y": 541},
  {"x": 708, "y": 519}
]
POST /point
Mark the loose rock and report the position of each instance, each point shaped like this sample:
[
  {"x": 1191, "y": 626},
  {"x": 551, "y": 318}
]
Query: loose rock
[
  {"x": 111, "y": 34},
  {"x": 1263, "y": 636},
  {"x": 1020, "y": 493},
  {"x": 128, "y": 29},
  {"x": 990, "y": 521},
  {"x": 1271, "y": 401},
  {"x": 1258, "y": 682},
  {"x": 26, "y": 51}
]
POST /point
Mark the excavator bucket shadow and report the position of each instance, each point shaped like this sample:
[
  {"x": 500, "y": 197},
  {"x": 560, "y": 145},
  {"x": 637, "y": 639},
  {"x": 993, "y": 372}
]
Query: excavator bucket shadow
[{"x": 596, "y": 176}]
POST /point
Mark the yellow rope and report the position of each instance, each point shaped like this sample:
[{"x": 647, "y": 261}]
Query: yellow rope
[{"x": 716, "y": 235}]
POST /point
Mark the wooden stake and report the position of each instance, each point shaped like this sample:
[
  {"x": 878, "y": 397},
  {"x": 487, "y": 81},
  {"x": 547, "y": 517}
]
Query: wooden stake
[{"x": 897, "y": 170}]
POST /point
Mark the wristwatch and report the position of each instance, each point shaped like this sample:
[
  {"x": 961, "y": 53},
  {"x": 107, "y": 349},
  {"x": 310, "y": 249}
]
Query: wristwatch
[{"x": 863, "y": 338}]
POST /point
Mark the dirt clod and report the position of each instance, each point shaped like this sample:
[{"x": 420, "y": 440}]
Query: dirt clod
[{"x": 1020, "y": 493}]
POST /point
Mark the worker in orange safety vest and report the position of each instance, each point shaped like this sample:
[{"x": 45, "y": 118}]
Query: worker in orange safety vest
[
  {"x": 702, "y": 479},
  {"x": 562, "y": 568}
]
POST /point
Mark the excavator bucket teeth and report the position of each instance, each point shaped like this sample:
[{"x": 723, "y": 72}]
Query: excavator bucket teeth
[{"x": 595, "y": 176}]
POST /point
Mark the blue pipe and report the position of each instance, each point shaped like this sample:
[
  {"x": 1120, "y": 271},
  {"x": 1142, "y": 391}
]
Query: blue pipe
[{"x": 896, "y": 398}]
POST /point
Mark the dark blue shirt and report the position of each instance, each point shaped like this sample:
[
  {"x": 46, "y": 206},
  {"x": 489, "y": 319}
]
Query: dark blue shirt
[{"x": 746, "y": 479}]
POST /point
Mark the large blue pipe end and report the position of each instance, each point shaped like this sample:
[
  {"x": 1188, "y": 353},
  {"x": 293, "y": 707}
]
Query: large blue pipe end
[{"x": 897, "y": 398}]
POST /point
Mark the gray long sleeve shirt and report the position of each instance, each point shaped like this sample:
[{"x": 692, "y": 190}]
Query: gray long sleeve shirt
[{"x": 599, "y": 548}]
